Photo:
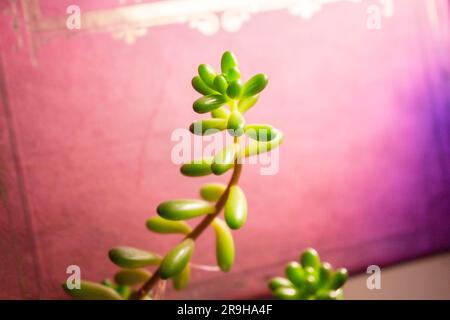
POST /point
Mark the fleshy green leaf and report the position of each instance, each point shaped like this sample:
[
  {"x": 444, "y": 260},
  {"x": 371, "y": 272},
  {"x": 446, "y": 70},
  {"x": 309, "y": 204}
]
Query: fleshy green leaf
[
  {"x": 207, "y": 74},
  {"x": 201, "y": 87},
  {"x": 246, "y": 103},
  {"x": 212, "y": 191},
  {"x": 236, "y": 123},
  {"x": 92, "y": 291},
  {"x": 339, "y": 278},
  {"x": 236, "y": 208},
  {"x": 197, "y": 168},
  {"x": 310, "y": 258},
  {"x": 295, "y": 273},
  {"x": 254, "y": 148},
  {"x": 325, "y": 274},
  {"x": 255, "y": 85},
  {"x": 208, "y": 126},
  {"x": 177, "y": 259},
  {"x": 233, "y": 74},
  {"x": 221, "y": 112},
  {"x": 181, "y": 280},
  {"x": 128, "y": 257},
  {"x": 220, "y": 84},
  {"x": 224, "y": 245},
  {"x": 182, "y": 209},
  {"x": 260, "y": 132},
  {"x": 285, "y": 293},
  {"x": 132, "y": 277},
  {"x": 234, "y": 89},
  {"x": 228, "y": 61},
  {"x": 310, "y": 271},
  {"x": 279, "y": 282},
  {"x": 161, "y": 225},
  {"x": 224, "y": 160},
  {"x": 330, "y": 294},
  {"x": 310, "y": 284},
  {"x": 209, "y": 103}
]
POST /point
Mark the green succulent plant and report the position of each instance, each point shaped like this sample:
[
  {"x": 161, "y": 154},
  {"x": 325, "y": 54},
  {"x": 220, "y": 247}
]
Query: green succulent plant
[
  {"x": 226, "y": 98},
  {"x": 310, "y": 279}
]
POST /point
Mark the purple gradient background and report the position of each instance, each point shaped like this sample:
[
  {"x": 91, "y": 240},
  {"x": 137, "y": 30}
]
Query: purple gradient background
[{"x": 364, "y": 170}]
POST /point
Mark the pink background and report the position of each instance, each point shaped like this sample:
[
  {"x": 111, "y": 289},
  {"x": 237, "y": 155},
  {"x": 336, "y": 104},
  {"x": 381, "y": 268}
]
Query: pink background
[{"x": 85, "y": 146}]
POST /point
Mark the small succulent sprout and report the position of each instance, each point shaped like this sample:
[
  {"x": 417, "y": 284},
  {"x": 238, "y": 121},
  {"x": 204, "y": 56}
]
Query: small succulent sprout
[
  {"x": 255, "y": 85},
  {"x": 234, "y": 89},
  {"x": 339, "y": 278},
  {"x": 258, "y": 147},
  {"x": 131, "y": 277},
  {"x": 295, "y": 273},
  {"x": 160, "y": 225},
  {"x": 224, "y": 245},
  {"x": 208, "y": 126},
  {"x": 286, "y": 293},
  {"x": 177, "y": 259},
  {"x": 233, "y": 74},
  {"x": 310, "y": 258},
  {"x": 182, "y": 209},
  {"x": 209, "y": 103},
  {"x": 260, "y": 132},
  {"x": 228, "y": 61},
  {"x": 207, "y": 74},
  {"x": 312, "y": 280},
  {"x": 212, "y": 191},
  {"x": 246, "y": 103},
  {"x": 224, "y": 160},
  {"x": 236, "y": 124},
  {"x": 221, "y": 113},
  {"x": 236, "y": 208},
  {"x": 279, "y": 282},
  {"x": 128, "y": 257},
  {"x": 92, "y": 291},
  {"x": 197, "y": 168},
  {"x": 201, "y": 87},
  {"x": 221, "y": 84},
  {"x": 181, "y": 280}
]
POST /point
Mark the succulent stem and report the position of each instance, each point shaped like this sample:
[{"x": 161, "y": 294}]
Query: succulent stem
[{"x": 198, "y": 230}]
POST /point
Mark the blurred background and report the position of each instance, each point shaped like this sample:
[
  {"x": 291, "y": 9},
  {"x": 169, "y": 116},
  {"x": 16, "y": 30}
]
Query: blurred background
[{"x": 361, "y": 90}]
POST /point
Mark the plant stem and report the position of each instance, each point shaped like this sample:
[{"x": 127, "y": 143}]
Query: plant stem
[{"x": 220, "y": 204}]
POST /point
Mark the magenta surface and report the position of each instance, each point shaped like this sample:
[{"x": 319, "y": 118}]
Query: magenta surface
[{"x": 85, "y": 146}]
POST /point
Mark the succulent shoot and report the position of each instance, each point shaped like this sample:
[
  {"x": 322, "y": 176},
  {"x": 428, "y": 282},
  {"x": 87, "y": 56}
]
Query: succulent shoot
[
  {"x": 226, "y": 98},
  {"x": 309, "y": 280}
]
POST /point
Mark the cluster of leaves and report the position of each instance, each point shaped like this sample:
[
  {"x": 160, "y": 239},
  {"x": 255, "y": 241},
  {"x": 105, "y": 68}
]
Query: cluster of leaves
[
  {"x": 310, "y": 280},
  {"x": 226, "y": 98}
]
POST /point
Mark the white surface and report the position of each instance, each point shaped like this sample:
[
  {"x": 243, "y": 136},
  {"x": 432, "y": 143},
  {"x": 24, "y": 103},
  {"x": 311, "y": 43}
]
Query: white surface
[{"x": 427, "y": 278}]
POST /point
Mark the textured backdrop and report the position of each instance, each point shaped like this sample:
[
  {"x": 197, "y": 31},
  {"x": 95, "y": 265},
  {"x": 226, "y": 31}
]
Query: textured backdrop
[{"x": 85, "y": 144}]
